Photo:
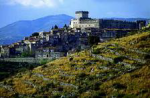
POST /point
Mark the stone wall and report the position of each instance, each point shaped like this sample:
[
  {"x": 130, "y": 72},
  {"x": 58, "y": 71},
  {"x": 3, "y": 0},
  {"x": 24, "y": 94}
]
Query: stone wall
[{"x": 24, "y": 60}]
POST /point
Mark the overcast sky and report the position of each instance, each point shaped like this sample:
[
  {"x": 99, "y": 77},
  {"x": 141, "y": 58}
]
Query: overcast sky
[{"x": 15, "y": 10}]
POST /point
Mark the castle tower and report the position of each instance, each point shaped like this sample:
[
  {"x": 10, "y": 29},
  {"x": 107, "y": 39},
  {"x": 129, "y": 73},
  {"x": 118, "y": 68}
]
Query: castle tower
[{"x": 82, "y": 14}]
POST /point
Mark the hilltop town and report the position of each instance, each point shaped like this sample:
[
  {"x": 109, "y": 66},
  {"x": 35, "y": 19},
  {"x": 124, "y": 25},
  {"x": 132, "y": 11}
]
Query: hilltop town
[
  {"x": 59, "y": 42},
  {"x": 118, "y": 68}
]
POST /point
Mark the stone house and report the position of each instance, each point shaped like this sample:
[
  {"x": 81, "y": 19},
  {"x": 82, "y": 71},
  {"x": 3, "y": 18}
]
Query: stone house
[
  {"x": 5, "y": 51},
  {"x": 19, "y": 49},
  {"x": 70, "y": 52},
  {"x": 41, "y": 34},
  {"x": 55, "y": 40},
  {"x": 56, "y": 55},
  {"x": 44, "y": 52},
  {"x": 48, "y": 52},
  {"x": 40, "y": 53},
  {"x": 12, "y": 51}
]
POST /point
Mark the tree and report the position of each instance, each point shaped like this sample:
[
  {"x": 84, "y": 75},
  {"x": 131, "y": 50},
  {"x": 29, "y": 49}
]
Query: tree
[
  {"x": 55, "y": 27},
  {"x": 35, "y": 34},
  {"x": 27, "y": 54},
  {"x": 78, "y": 49},
  {"x": 93, "y": 40},
  {"x": 52, "y": 28},
  {"x": 65, "y": 26}
]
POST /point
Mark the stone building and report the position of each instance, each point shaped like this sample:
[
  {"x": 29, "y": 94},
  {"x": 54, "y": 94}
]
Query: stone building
[
  {"x": 83, "y": 21},
  {"x": 48, "y": 52},
  {"x": 5, "y": 51}
]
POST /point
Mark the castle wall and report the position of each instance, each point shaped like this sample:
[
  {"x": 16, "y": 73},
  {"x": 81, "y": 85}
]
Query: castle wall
[
  {"x": 82, "y": 21},
  {"x": 115, "y": 24}
]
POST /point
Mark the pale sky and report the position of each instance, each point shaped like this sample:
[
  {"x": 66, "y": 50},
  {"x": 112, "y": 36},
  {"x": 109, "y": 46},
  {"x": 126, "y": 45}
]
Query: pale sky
[{"x": 15, "y": 10}]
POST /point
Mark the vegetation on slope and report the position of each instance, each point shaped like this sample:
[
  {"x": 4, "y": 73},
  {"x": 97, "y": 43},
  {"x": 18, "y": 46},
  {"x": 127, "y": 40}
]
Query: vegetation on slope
[
  {"x": 118, "y": 68},
  {"x": 8, "y": 69}
]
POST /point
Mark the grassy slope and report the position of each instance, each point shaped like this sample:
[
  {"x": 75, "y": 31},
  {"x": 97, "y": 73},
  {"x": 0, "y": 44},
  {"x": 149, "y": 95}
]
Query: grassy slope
[{"x": 88, "y": 75}]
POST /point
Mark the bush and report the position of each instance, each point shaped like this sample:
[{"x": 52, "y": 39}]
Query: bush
[
  {"x": 118, "y": 95},
  {"x": 82, "y": 75},
  {"x": 93, "y": 40},
  {"x": 95, "y": 85},
  {"x": 50, "y": 85},
  {"x": 119, "y": 59},
  {"x": 45, "y": 61},
  {"x": 88, "y": 64},
  {"x": 98, "y": 95},
  {"x": 129, "y": 96},
  {"x": 72, "y": 65},
  {"x": 27, "y": 54},
  {"x": 147, "y": 56},
  {"x": 96, "y": 51},
  {"x": 119, "y": 86},
  {"x": 35, "y": 34}
]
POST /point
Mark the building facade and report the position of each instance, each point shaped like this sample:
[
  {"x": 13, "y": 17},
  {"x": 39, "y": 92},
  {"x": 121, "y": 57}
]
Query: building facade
[{"x": 83, "y": 21}]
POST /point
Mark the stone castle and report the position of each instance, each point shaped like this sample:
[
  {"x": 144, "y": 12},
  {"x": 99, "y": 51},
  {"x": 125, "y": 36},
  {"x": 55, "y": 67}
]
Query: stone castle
[{"x": 83, "y": 21}]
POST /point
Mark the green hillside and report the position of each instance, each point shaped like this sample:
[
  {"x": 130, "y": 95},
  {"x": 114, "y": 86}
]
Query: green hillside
[{"x": 118, "y": 68}]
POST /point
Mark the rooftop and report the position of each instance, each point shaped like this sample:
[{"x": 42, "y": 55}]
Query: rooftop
[{"x": 82, "y": 12}]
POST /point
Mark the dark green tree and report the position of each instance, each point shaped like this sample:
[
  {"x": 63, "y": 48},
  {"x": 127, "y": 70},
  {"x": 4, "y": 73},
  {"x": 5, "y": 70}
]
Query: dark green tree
[
  {"x": 35, "y": 34},
  {"x": 65, "y": 26},
  {"x": 27, "y": 54},
  {"x": 78, "y": 49},
  {"x": 55, "y": 27},
  {"x": 93, "y": 40},
  {"x": 52, "y": 28}
]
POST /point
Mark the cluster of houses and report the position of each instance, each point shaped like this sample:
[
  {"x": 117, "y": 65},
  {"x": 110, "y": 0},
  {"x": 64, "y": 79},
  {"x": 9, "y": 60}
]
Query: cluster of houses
[
  {"x": 56, "y": 43},
  {"x": 63, "y": 41}
]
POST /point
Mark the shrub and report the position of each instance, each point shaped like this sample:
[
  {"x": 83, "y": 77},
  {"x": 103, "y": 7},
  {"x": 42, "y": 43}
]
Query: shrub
[
  {"x": 44, "y": 61},
  {"x": 27, "y": 54},
  {"x": 129, "y": 96},
  {"x": 95, "y": 85},
  {"x": 147, "y": 56},
  {"x": 88, "y": 63},
  {"x": 60, "y": 88},
  {"x": 81, "y": 75},
  {"x": 118, "y": 59},
  {"x": 119, "y": 86},
  {"x": 72, "y": 64},
  {"x": 98, "y": 94},
  {"x": 93, "y": 40},
  {"x": 70, "y": 59},
  {"x": 96, "y": 51},
  {"x": 118, "y": 95},
  {"x": 50, "y": 85}
]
